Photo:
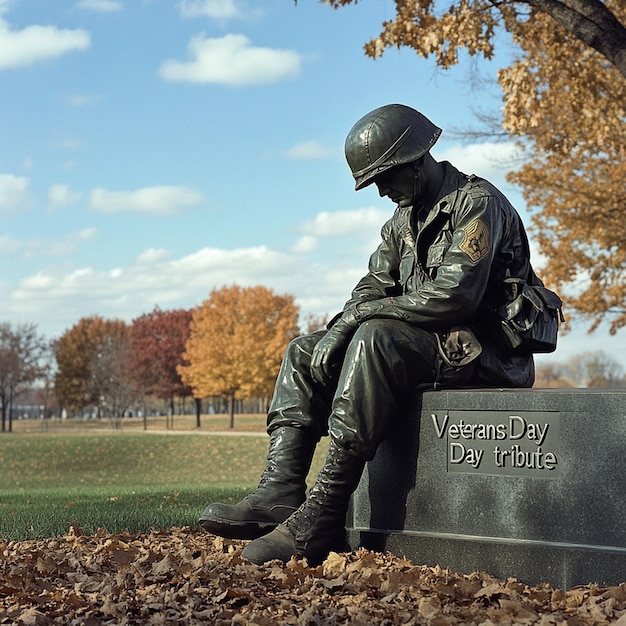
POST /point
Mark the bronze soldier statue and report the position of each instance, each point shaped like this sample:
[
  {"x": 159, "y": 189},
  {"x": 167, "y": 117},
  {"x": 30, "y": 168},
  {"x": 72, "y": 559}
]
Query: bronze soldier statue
[{"x": 421, "y": 318}]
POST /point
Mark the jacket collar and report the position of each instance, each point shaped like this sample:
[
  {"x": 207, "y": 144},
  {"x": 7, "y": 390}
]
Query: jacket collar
[{"x": 453, "y": 181}]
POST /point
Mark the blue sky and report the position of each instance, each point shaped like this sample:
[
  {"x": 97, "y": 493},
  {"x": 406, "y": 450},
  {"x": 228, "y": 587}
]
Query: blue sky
[{"x": 152, "y": 150}]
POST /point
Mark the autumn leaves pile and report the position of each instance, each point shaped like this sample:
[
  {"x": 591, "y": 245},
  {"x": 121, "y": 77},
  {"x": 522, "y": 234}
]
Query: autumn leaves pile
[{"x": 186, "y": 577}]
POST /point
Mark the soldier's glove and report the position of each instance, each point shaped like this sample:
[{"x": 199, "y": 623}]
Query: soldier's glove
[{"x": 326, "y": 354}]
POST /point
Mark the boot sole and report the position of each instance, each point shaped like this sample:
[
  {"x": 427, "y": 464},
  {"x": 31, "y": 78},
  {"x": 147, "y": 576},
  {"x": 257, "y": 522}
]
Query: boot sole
[{"x": 236, "y": 530}]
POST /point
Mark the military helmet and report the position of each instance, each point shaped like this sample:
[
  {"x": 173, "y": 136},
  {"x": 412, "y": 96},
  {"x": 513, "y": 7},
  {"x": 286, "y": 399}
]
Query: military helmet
[{"x": 391, "y": 135}]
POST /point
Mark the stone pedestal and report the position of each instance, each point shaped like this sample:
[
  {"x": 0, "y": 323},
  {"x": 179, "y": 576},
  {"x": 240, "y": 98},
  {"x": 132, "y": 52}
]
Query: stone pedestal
[{"x": 525, "y": 483}]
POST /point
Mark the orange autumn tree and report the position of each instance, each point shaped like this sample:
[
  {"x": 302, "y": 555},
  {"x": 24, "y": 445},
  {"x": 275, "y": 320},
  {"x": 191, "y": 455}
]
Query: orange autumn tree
[
  {"x": 564, "y": 99},
  {"x": 237, "y": 341},
  {"x": 568, "y": 106},
  {"x": 441, "y": 29}
]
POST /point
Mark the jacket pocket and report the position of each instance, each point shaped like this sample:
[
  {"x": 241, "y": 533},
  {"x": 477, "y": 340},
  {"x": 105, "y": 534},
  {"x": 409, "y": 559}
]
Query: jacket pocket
[{"x": 434, "y": 258}]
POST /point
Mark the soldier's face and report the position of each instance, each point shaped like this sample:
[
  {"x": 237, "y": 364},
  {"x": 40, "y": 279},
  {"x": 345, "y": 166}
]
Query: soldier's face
[{"x": 401, "y": 184}]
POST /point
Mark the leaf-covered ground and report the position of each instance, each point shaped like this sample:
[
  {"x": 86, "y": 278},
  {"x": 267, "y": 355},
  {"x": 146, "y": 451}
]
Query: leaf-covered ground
[{"x": 187, "y": 577}]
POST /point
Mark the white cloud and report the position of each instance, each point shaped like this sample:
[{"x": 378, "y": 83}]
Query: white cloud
[
  {"x": 154, "y": 255},
  {"x": 69, "y": 244},
  {"x": 158, "y": 200},
  {"x": 304, "y": 244},
  {"x": 231, "y": 60},
  {"x": 216, "y": 9},
  {"x": 64, "y": 246},
  {"x": 341, "y": 223},
  {"x": 9, "y": 246},
  {"x": 310, "y": 150},
  {"x": 490, "y": 160},
  {"x": 61, "y": 196},
  {"x": 154, "y": 278},
  {"x": 13, "y": 193},
  {"x": 86, "y": 234},
  {"x": 59, "y": 295},
  {"x": 157, "y": 278},
  {"x": 104, "y": 6},
  {"x": 247, "y": 264},
  {"x": 35, "y": 43},
  {"x": 41, "y": 247}
]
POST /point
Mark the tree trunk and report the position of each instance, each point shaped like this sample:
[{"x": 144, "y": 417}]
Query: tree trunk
[
  {"x": 592, "y": 23},
  {"x": 171, "y": 412},
  {"x": 198, "y": 411},
  {"x": 232, "y": 410}
]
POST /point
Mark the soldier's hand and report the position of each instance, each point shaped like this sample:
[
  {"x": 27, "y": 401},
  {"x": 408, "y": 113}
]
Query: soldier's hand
[{"x": 329, "y": 349}]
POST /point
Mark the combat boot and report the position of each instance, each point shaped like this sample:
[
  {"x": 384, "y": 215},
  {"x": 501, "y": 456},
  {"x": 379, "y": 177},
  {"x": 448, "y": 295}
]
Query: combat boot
[
  {"x": 281, "y": 490},
  {"x": 318, "y": 526}
]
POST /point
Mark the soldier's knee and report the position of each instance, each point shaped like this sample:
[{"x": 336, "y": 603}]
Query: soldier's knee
[
  {"x": 372, "y": 332},
  {"x": 302, "y": 345}
]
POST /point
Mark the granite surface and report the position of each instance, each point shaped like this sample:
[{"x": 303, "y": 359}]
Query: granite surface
[{"x": 524, "y": 483}]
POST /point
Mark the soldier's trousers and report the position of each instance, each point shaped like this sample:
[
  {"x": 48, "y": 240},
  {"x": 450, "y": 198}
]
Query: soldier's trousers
[{"x": 384, "y": 362}]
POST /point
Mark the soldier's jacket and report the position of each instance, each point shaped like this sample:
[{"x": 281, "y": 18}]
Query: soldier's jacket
[{"x": 446, "y": 269}]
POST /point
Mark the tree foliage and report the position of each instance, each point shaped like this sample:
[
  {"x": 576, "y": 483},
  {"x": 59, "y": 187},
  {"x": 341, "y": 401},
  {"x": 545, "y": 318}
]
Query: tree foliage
[
  {"x": 315, "y": 322},
  {"x": 157, "y": 342},
  {"x": 93, "y": 366},
  {"x": 111, "y": 370},
  {"x": 473, "y": 25},
  {"x": 588, "y": 369},
  {"x": 570, "y": 108},
  {"x": 238, "y": 337},
  {"x": 564, "y": 101},
  {"x": 22, "y": 351}
]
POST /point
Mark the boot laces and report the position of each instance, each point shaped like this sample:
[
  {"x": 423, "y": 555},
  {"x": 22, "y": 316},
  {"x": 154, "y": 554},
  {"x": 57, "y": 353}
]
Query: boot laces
[{"x": 301, "y": 522}]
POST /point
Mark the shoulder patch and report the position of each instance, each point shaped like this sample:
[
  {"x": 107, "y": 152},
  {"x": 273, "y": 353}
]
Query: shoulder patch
[{"x": 476, "y": 241}]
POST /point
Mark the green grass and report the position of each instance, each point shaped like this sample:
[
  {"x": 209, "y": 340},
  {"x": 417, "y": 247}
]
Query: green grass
[{"x": 121, "y": 481}]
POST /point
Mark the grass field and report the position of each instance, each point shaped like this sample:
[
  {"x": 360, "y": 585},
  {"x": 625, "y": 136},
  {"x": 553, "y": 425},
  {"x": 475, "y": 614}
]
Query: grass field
[{"x": 101, "y": 476}]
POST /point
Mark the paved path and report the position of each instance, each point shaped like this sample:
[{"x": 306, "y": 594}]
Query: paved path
[{"x": 229, "y": 433}]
